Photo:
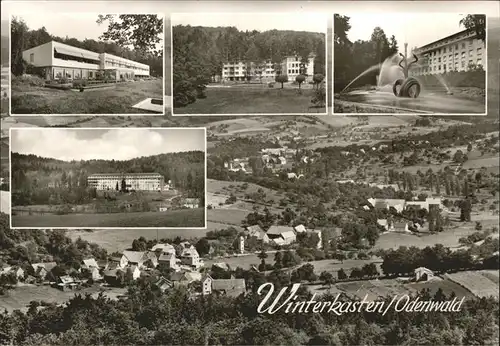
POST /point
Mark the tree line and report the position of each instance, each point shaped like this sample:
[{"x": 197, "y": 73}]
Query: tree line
[{"x": 40, "y": 180}]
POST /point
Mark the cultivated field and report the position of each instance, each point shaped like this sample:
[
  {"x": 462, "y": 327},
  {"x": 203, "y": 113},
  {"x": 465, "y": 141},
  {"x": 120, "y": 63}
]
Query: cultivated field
[
  {"x": 374, "y": 289},
  {"x": 482, "y": 283},
  {"x": 118, "y": 99},
  {"x": 175, "y": 218},
  {"x": 258, "y": 99},
  {"x": 449, "y": 238}
]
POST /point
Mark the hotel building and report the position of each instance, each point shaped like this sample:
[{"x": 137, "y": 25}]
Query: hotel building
[
  {"x": 59, "y": 60},
  {"x": 457, "y": 52},
  {"x": 133, "y": 181},
  {"x": 290, "y": 66}
]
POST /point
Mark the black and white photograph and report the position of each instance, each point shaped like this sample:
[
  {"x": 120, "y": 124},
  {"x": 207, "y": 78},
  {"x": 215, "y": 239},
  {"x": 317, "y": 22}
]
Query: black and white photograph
[
  {"x": 101, "y": 64},
  {"x": 233, "y": 63},
  {"x": 400, "y": 63},
  {"x": 281, "y": 225},
  {"x": 92, "y": 178}
]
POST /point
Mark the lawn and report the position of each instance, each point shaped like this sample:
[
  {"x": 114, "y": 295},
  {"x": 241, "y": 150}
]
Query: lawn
[
  {"x": 118, "y": 99},
  {"x": 252, "y": 100},
  {"x": 176, "y": 218}
]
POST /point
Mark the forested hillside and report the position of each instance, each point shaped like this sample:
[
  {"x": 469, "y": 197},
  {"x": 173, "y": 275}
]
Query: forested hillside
[
  {"x": 41, "y": 180},
  {"x": 24, "y": 38},
  {"x": 199, "y": 52}
]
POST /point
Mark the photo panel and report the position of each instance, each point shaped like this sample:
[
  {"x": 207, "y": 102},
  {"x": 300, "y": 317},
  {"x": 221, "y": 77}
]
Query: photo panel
[
  {"x": 236, "y": 64},
  {"x": 108, "y": 178},
  {"x": 392, "y": 63},
  {"x": 115, "y": 66}
]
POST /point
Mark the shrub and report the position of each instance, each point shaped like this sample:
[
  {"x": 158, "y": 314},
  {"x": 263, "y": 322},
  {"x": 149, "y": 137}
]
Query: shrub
[{"x": 28, "y": 80}]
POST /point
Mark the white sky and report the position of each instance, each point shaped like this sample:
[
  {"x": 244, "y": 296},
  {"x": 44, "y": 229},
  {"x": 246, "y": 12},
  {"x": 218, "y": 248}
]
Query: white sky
[
  {"x": 417, "y": 29},
  {"x": 296, "y": 21},
  {"x": 106, "y": 144}
]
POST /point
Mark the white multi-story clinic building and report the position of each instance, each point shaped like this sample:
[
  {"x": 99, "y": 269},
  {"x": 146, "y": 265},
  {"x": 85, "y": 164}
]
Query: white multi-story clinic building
[
  {"x": 456, "y": 52},
  {"x": 133, "y": 181},
  {"x": 59, "y": 60},
  {"x": 290, "y": 66}
]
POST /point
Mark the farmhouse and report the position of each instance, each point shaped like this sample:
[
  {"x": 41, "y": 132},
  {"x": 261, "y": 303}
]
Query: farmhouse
[
  {"x": 132, "y": 181},
  {"x": 230, "y": 287},
  {"x": 58, "y": 60},
  {"x": 17, "y": 271},
  {"x": 256, "y": 231},
  {"x": 282, "y": 235},
  {"x": 42, "y": 269}
]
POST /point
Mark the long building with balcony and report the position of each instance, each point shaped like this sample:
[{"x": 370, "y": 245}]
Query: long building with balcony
[
  {"x": 133, "y": 181},
  {"x": 58, "y": 60},
  {"x": 458, "y": 52},
  {"x": 292, "y": 66}
]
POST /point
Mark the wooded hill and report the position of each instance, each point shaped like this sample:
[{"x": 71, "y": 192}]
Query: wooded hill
[{"x": 33, "y": 175}]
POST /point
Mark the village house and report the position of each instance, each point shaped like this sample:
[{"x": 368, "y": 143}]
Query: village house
[
  {"x": 89, "y": 263},
  {"x": 42, "y": 269},
  {"x": 423, "y": 274},
  {"x": 300, "y": 229},
  {"x": 258, "y": 232},
  {"x": 230, "y": 287},
  {"x": 163, "y": 284},
  {"x": 141, "y": 258},
  {"x": 66, "y": 282},
  {"x": 170, "y": 260},
  {"x": 118, "y": 262},
  {"x": 281, "y": 235},
  {"x": 185, "y": 278},
  {"x": 378, "y": 203},
  {"x": 191, "y": 258},
  {"x": 16, "y": 270},
  {"x": 294, "y": 176}
]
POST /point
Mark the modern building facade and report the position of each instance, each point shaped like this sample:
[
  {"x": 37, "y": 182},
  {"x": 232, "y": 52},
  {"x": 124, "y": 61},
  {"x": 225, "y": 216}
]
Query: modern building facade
[
  {"x": 58, "y": 60},
  {"x": 265, "y": 71},
  {"x": 133, "y": 181},
  {"x": 457, "y": 52}
]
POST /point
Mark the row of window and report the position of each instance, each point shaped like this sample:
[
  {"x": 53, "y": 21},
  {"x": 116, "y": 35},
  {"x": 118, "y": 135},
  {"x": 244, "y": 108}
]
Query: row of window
[
  {"x": 442, "y": 67},
  {"x": 118, "y": 64},
  {"x": 450, "y": 49}
]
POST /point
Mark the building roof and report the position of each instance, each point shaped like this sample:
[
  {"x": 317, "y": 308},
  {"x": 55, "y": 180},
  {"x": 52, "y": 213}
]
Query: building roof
[
  {"x": 254, "y": 229},
  {"x": 288, "y": 235},
  {"x": 277, "y": 230},
  {"x": 444, "y": 39},
  {"x": 102, "y": 175},
  {"x": 163, "y": 247},
  {"x": 47, "y": 266},
  {"x": 191, "y": 200},
  {"x": 300, "y": 228},
  {"x": 228, "y": 285},
  {"x": 423, "y": 269},
  {"x": 90, "y": 262}
]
